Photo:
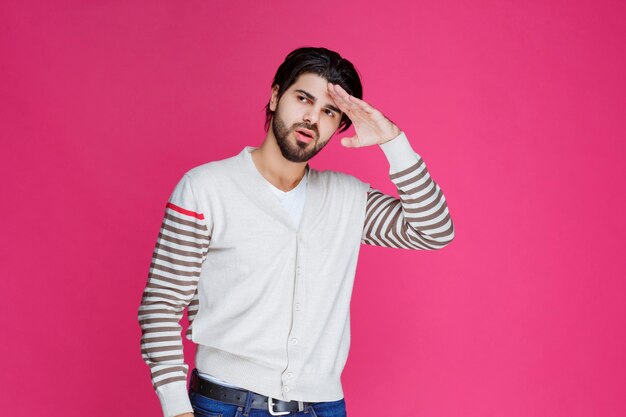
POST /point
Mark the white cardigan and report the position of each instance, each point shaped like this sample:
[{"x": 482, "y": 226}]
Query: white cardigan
[{"x": 269, "y": 303}]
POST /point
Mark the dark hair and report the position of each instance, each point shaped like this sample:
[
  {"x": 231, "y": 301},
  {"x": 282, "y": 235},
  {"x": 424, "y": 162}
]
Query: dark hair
[{"x": 323, "y": 62}]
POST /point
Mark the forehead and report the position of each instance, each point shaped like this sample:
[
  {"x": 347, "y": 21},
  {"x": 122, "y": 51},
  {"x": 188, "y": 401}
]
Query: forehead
[{"x": 312, "y": 84}]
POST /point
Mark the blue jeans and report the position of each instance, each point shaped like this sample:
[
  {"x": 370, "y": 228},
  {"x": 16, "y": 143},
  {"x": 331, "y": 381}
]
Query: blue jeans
[{"x": 208, "y": 407}]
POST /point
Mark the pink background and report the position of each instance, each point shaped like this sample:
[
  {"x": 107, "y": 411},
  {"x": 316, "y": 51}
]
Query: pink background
[{"x": 516, "y": 107}]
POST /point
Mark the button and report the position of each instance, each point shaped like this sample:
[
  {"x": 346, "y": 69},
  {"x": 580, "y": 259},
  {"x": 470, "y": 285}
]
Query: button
[
  {"x": 286, "y": 388},
  {"x": 289, "y": 374},
  {"x": 298, "y": 306},
  {"x": 294, "y": 341}
]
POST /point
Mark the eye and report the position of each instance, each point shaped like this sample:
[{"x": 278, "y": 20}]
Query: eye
[
  {"x": 305, "y": 99},
  {"x": 330, "y": 113}
]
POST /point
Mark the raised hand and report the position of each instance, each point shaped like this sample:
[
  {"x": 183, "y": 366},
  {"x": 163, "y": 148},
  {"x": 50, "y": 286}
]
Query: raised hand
[{"x": 370, "y": 125}]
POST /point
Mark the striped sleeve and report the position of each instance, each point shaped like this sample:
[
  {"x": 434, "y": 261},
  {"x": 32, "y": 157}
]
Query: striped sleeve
[
  {"x": 420, "y": 218},
  {"x": 180, "y": 249}
]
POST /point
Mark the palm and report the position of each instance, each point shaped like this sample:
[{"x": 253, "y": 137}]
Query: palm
[{"x": 370, "y": 125}]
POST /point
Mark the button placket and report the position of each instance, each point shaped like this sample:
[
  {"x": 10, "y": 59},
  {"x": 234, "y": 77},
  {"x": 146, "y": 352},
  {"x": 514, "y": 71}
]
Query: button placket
[{"x": 289, "y": 378}]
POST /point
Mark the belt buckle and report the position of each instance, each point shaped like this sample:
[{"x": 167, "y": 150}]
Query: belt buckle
[{"x": 270, "y": 407}]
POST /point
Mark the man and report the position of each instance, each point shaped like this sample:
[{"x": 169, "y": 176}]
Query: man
[{"x": 262, "y": 250}]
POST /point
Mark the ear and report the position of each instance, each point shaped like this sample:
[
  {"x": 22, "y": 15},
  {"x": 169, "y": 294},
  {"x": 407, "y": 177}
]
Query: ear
[{"x": 274, "y": 98}]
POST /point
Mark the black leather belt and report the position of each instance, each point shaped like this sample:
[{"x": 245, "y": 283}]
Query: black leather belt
[{"x": 238, "y": 397}]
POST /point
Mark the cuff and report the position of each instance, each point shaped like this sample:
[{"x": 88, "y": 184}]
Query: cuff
[
  {"x": 399, "y": 153},
  {"x": 174, "y": 399}
]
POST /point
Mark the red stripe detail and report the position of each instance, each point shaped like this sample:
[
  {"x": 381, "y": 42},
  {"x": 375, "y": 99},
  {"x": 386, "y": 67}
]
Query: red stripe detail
[{"x": 185, "y": 211}]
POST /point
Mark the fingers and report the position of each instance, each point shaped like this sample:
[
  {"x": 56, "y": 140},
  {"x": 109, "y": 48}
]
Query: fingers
[
  {"x": 363, "y": 105},
  {"x": 341, "y": 99},
  {"x": 346, "y": 104},
  {"x": 352, "y": 103}
]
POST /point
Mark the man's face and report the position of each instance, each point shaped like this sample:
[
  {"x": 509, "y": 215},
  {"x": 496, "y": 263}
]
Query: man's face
[{"x": 304, "y": 106}]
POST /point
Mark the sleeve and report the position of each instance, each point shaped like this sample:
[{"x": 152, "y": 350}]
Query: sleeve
[
  {"x": 180, "y": 249},
  {"x": 420, "y": 218}
]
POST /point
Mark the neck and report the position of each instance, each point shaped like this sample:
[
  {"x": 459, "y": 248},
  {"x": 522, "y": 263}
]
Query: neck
[{"x": 280, "y": 172}]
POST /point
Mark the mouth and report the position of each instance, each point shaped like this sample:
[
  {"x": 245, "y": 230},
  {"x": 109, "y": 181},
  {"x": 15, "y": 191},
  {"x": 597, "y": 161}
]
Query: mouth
[{"x": 304, "y": 135}]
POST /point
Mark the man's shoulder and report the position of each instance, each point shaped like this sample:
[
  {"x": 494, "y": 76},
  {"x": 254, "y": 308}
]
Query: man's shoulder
[{"x": 213, "y": 169}]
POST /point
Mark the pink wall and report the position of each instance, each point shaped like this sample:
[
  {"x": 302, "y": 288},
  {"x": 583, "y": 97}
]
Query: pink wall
[{"x": 516, "y": 107}]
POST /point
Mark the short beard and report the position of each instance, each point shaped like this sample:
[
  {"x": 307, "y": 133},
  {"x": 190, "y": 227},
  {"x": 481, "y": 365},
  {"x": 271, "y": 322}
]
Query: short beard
[{"x": 299, "y": 153}]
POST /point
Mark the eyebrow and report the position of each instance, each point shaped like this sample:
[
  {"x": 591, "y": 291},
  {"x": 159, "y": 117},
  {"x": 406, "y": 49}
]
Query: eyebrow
[{"x": 311, "y": 97}]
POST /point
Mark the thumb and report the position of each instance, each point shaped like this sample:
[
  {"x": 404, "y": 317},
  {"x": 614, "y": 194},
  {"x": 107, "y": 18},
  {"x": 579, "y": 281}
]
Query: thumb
[{"x": 350, "y": 141}]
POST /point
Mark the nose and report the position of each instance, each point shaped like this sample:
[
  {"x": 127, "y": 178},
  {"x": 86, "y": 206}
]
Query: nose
[{"x": 311, "y": 116}]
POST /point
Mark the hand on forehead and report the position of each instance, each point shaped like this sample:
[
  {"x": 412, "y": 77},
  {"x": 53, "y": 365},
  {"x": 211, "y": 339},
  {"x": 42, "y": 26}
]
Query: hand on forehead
[{"x": 350, "y": 105}]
